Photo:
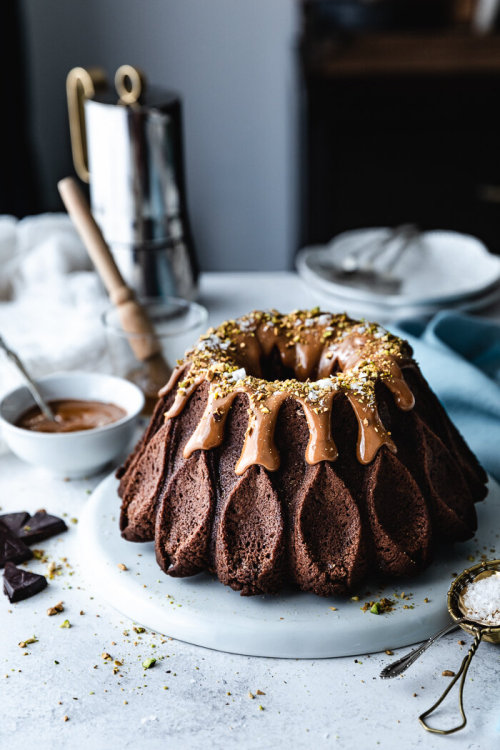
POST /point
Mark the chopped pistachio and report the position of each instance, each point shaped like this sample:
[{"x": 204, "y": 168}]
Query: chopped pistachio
[
  {"x": 148, "y": 663},
  {"x": 380, "y": 607},
  {"x": 25, "y": 643},
  {"x": 55, "y": 609},
  {"x": 65, "y": 624}
]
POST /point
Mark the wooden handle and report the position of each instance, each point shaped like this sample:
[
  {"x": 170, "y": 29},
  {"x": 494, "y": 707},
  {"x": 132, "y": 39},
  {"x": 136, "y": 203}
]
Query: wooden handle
[
  {"x": 86, "y": 226},
  {"x": 133, "y": 317}
]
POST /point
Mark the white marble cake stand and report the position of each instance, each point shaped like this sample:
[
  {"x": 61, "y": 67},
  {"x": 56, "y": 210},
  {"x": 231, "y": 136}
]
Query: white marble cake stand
[{"x": 202, "y": 611}]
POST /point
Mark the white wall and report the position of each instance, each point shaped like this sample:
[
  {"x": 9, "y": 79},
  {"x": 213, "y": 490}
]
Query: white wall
[{"x": 234, "y": 62}]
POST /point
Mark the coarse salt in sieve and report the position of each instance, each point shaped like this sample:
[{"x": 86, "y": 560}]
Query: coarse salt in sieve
[{"x": 481, "y": 599}]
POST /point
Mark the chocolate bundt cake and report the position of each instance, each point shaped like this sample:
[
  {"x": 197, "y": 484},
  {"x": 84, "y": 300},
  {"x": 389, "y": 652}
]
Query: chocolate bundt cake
[{"x": 303, "y": 449}]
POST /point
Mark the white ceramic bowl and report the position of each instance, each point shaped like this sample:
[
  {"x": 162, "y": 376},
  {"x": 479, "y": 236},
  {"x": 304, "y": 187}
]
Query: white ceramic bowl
[{"x": 73, "y": 454}]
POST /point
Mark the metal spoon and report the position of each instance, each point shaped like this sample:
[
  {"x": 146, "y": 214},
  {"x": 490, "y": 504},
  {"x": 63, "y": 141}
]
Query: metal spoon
[
  {"x": 363, "y": 257},
  {"x": 369, "y": 279},
  {"x": 402, "y": 664},
  {"x": 357, "y": 267},
  {"x": 44, "y": 407}
]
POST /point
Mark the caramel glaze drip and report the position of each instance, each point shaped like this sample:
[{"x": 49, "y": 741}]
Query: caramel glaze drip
[
  {"x": 320, "y": 446},
  {"x": 345, "y": 356}
]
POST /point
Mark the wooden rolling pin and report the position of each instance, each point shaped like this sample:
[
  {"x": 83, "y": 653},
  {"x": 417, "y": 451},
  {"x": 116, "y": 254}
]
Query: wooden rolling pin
[{"x": 133, "y": 317}]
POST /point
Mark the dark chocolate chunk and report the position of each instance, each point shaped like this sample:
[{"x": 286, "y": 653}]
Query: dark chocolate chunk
[
  {"x": 20, "y": 584},
  {"x": 14, "y": 521},
  {"x": 12, "y": 549},
  {"x": 41, "y": 526}
]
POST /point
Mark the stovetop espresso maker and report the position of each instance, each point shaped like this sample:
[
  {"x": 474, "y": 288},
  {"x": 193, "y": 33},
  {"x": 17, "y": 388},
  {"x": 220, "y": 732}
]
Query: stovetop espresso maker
[{"x": 128, "y": 145}]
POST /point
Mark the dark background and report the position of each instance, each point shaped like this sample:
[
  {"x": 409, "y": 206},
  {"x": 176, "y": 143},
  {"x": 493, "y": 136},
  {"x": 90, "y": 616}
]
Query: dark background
[{"x": 398, "y": 118}]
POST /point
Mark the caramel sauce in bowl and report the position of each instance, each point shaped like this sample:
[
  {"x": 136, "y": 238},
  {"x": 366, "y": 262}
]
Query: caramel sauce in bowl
[
  {"x": 71, "y": 415},
  {"x": 97, "y": 417}
]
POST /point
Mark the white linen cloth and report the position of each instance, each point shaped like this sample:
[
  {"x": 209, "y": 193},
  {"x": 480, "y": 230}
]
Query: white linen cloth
[{"x": 50, "y": 299}]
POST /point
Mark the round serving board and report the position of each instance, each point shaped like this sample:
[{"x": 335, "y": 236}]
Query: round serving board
[{"x": 202, "y": 611}]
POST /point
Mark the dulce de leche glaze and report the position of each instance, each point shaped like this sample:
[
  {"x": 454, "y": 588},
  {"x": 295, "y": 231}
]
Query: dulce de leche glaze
[
  {"x": 71, "y": 415},
  {"x": 327, "y": 355}
]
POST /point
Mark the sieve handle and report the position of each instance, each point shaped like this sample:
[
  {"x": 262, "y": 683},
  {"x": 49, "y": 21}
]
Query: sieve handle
[{"x": 462, "y": 672}]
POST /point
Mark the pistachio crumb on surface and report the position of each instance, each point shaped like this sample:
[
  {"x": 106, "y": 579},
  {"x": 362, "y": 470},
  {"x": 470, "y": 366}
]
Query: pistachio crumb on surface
[
  {"x": 55, "y": 609},
  {"x": 23, "y": 644},
  {"x": 148, "y": 663},
  {"x": 448, "y": 673},
  {"x": 65, "y": 624},
  {"x": 378, "y": 607}
]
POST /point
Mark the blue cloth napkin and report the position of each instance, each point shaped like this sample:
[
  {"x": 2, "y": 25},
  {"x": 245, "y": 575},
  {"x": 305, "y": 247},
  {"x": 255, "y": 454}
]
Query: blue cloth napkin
[{"x": 460, "y": 357}]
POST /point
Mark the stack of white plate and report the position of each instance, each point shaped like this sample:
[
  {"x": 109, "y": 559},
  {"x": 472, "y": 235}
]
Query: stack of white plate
[{"x": 437, "y": 270}]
